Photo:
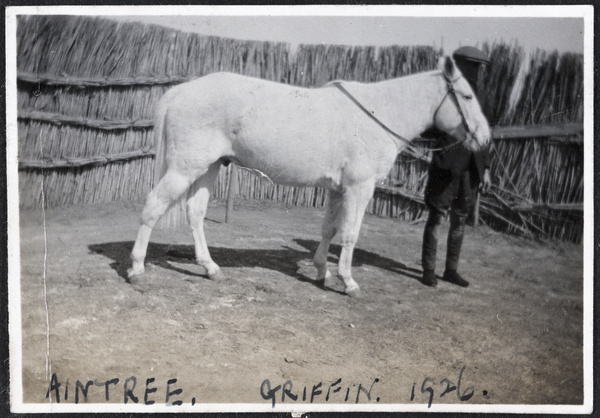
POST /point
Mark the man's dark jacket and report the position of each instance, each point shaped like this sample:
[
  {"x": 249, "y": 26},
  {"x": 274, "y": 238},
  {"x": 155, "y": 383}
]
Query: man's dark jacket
[{"x": 457, "y": 158}]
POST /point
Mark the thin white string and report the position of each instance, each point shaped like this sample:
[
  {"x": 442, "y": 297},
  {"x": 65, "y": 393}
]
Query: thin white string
[{"x": 48, "y": 363}]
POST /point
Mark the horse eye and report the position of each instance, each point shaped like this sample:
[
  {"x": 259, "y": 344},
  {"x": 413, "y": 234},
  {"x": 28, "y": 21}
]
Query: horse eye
[{"x": 468, "y": 97}]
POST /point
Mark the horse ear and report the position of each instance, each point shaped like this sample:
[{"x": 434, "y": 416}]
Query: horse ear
[{"x": 449, "y": 68}]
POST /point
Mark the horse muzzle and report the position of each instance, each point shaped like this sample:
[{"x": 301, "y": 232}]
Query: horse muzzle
[
  {"x": 478, "y": 140},
  {"x": 474, "y": 142}
]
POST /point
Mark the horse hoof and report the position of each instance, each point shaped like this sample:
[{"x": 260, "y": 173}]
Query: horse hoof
[
  {"x": 133, "y": 272},
  {"x": 354, "y": 292},
  {"x": 216, "y": 276},
  {"x": 134, "y": 280},
  {"x": 322, "y": 278}
]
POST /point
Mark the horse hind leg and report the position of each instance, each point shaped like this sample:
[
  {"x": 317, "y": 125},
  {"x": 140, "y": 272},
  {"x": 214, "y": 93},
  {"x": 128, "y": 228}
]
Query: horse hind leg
[
  {"x": 328, "y": 231},
  {"x": 197, "y": 203},
  {"x": 172, "y": 185}
]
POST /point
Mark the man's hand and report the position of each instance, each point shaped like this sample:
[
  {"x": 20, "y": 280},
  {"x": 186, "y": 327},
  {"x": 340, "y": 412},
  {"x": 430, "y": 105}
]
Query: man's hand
[{"x": 487, "y": 180}]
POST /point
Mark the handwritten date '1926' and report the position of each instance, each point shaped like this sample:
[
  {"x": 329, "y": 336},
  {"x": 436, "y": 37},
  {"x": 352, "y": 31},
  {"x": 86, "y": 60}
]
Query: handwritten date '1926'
[{"x": 429, "y": 386}]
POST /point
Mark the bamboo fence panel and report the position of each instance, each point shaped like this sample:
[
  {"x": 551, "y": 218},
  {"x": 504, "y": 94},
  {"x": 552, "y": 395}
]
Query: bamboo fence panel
[{"x": 87, "y": 89}]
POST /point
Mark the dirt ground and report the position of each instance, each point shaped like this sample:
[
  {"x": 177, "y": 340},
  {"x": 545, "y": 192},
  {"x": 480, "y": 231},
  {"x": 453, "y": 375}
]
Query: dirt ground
[{"x": 270, "y": 334}]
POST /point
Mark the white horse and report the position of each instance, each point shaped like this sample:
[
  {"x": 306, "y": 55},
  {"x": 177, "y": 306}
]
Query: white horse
[{"x": 343, "y": 139}]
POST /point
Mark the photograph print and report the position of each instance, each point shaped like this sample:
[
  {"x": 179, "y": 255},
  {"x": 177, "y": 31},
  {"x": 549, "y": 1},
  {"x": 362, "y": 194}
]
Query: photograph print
[{"x": 300, "y": 209}]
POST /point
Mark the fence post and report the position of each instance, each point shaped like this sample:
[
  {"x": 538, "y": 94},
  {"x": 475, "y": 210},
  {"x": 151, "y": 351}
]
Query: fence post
[{"x": 232, "y": 187}]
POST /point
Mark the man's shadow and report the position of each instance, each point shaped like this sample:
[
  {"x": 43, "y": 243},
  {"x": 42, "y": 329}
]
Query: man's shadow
[{"x": 285, "y": 260}]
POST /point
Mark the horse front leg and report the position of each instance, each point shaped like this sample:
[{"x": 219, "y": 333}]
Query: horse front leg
[
  {"x": 354, "y": 203},
  {"x": 328, "y": 231},
  {"x": 197, "y": 203}
]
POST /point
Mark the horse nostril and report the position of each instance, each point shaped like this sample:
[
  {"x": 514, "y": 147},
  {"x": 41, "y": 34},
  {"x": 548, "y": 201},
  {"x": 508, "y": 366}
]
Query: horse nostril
[{"x": 473, "y": 137}]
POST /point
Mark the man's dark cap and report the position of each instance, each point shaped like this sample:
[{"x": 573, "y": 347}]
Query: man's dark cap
[{"x": 469, "y": 53}]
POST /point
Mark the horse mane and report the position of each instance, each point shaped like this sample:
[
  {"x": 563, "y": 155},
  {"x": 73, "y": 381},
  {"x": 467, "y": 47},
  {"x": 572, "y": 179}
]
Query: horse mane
[{"x": 407, "y": 77}]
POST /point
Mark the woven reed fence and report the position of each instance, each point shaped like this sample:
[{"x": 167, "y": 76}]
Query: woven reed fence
[{"x": 87, "y": 88}]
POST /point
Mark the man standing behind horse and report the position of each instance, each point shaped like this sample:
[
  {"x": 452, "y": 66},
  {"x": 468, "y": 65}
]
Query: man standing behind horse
[{"x": 454, "y": 176}]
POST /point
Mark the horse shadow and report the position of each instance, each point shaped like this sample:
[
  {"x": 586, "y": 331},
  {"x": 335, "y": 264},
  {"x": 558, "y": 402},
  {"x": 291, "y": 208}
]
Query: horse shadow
[
  {"x": 174, "y": 258},
  {"x": 285, "y": 260},
  {"x": 362, "y": 257}
]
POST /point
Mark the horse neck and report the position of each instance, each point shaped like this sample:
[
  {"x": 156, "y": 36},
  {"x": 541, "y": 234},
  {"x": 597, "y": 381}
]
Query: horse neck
[{"x": 412, "y": 116}]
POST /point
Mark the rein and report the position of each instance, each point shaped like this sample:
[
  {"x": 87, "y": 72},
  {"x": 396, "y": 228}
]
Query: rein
[
  {"x": 415, "y": 150},
  {"x": 341, "y": 88}
]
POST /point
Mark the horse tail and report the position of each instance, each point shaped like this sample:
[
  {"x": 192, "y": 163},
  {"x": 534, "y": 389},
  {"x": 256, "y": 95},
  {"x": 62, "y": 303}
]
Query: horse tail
[{"x": 160, "y": 135}]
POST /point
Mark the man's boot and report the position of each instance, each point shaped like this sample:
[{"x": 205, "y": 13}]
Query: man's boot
[
  {"x": 455, "y": 239},
  {"x": 430, "y": 241}
]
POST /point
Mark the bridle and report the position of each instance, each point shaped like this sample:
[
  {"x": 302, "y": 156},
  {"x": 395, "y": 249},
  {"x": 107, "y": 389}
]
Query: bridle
[
  {"x": 452, "y": 93},
  {"x": 416, "y": 151}
]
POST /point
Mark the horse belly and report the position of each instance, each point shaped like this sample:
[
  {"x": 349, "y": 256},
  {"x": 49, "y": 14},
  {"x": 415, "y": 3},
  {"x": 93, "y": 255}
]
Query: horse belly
[{"x": 289, "y": 165}]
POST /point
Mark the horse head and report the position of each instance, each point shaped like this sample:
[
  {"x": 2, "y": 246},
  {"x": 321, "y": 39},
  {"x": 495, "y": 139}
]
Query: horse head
[{"x": 459, "y": 113}]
